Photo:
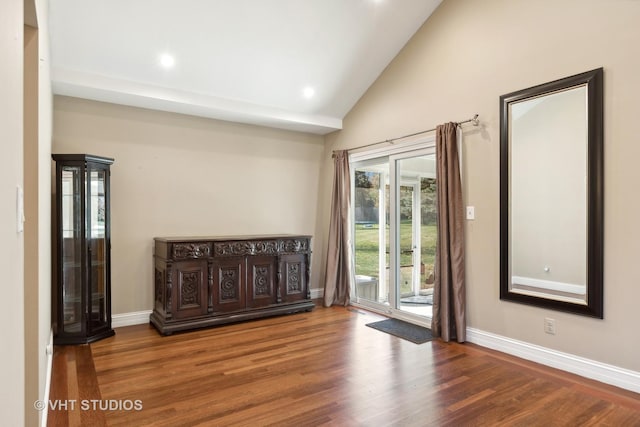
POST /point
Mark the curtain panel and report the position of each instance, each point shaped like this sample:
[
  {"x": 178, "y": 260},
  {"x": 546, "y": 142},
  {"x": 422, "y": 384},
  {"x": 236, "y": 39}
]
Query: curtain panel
[
  {"x": 338, "y": 271},
  {"x": 448, "y": 320}
]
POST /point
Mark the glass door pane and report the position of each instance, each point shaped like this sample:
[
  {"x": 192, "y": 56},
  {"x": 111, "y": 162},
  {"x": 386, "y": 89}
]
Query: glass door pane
[
  {"x": 96, "y": 232},
  {"x": 409, "y": 281},
  {"x": 416, "y": 225},
  {"x": 371, "y": 231},
  {"x": 71, "y": 216}
]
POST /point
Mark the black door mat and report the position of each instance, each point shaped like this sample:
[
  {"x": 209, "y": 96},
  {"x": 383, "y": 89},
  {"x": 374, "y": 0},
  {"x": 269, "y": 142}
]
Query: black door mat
[{"x": 405, "y": 330}]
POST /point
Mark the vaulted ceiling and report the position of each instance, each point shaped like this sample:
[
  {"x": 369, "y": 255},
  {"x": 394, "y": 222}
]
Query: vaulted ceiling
[{"x": 292, "y": 64}]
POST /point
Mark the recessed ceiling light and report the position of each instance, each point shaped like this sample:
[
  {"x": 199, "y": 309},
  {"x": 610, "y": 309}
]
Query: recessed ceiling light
[
  {"x": 308, "y": 92},
  {"x": 167, "y": 61}
]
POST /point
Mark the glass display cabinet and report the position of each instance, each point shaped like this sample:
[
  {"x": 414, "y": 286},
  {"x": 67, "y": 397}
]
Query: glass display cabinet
[{"x": 82, "y": 261}]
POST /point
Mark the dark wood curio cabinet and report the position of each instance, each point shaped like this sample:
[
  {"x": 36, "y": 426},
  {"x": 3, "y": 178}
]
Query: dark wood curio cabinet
[{"x": 82, "y": 255}]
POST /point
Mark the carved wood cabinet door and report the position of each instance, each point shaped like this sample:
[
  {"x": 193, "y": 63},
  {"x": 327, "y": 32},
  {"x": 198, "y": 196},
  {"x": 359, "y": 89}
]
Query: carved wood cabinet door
[
  {"x": 294, "y": 277},
  {"x": 190, "y": 290},
  {"x": 261, "y": 283},
  {"x": 228, "y": 284}
]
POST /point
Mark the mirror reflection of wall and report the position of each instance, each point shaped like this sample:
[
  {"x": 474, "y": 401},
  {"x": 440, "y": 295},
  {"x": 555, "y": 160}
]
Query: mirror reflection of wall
[{"x": 548, "y": 149}]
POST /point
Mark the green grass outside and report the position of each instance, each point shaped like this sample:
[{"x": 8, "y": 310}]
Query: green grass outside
[{"x": 367, "y": 249}]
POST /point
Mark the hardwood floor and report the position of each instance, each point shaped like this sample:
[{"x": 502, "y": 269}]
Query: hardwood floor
[{"x": 320, "y": 368}]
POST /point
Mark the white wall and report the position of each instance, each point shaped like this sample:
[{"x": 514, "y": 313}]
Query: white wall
[
  {"x": 12, "y": 401},
  {"x": 37, "y": 192},
  {"x": 31, "y": 243},
  {"x": 177, "y": 175},
  {"x": 459, "y": 63}
]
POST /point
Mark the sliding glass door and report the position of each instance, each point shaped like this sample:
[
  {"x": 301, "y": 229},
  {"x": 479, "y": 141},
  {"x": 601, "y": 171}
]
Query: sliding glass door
[
  {"x": 394, "y": 225},
  {"x": 415, "y": 222}
]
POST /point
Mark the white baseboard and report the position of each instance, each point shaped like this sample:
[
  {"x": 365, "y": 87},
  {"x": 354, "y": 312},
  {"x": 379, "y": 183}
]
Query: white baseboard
[
  {"x": 130, "y": 319},
  {"x": 47, "y": 380},
  {"x": 317, "y": 293},
  {"x": 609, "y": 374}
]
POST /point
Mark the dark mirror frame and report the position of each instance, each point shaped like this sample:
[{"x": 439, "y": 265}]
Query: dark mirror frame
[{"x": 595, "y": 193}]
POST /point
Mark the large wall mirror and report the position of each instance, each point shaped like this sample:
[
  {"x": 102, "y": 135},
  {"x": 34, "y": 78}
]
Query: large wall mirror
[{"x": 551, "y": 194}]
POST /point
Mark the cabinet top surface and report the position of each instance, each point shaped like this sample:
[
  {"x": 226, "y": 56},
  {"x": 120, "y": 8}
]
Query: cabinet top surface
[
  {"x": 226, "y": 238},
  {"x": 82, "y": 158}
]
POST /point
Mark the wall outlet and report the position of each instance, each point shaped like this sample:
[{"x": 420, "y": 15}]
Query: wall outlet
[{"x": 549, "y": 326}]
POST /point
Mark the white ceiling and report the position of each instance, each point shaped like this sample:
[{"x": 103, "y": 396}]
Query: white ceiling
[{"x": 239, "y": 60}]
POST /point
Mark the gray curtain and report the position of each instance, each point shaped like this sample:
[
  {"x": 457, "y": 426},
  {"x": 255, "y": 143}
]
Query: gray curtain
[
  {"x": 448, "y": 320},
  {"x": 338, "y": 273}
]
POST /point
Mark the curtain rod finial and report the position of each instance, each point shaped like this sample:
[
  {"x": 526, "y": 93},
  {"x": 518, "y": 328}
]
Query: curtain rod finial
[{"x": 475, "y": 120}]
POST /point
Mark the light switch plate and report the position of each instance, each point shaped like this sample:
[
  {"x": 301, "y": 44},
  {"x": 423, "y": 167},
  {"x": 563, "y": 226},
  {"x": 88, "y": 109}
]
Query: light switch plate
[
  {"x": 19, "y": 210},
  {"x": 471, "y": 212}
]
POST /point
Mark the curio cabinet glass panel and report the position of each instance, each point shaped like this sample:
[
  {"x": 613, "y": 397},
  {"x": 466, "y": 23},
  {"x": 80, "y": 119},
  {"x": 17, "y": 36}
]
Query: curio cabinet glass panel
[{"x": 82, "y": 264}]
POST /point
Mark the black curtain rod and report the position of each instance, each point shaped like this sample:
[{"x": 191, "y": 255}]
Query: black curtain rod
[{"x": 473, "y": 120}]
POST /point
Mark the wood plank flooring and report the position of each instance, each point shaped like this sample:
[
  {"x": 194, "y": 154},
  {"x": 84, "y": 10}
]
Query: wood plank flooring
[{"x": 320, "y": 368}]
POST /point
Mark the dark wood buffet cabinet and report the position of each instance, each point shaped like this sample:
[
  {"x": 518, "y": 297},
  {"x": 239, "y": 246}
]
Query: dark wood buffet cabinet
[{"x": 207, "y": 281}]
